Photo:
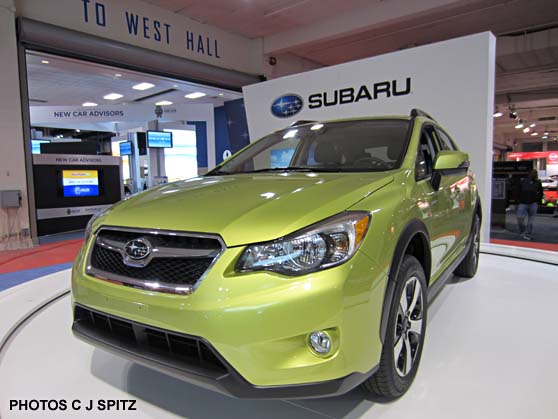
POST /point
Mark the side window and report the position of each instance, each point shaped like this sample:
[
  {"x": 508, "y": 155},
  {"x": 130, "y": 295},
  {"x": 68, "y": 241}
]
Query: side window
[
  {"x": 426, "y": 154},
  {"x": 446, "y": 143}
]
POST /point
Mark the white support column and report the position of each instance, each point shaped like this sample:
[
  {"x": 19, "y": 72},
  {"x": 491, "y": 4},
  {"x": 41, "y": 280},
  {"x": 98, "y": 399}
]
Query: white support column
[{"x": 14, "y": 222}]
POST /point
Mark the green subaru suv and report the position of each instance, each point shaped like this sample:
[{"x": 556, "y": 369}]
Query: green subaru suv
[{"x": 300, "y": 267}]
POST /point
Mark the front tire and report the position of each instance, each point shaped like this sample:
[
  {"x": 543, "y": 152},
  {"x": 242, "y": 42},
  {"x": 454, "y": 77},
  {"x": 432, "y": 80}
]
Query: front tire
[
  {"x": 468, "y": 266},
  {"x": 404, "y": 338}
]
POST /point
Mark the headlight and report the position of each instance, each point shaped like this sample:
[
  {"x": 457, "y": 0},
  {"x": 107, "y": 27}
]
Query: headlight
[
  {"x": 89, "y": 227},
  {"x": 322, "y": 245}
]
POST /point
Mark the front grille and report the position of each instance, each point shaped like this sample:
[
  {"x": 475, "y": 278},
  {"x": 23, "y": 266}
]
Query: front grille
[
  {"x": 179, "y": 271},
  {"x": 190, "y": 257},
  {"x": 180, "y": 351}
]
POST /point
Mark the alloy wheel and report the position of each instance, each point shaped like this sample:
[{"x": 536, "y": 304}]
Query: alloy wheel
[{"x": 408, "y": 326}]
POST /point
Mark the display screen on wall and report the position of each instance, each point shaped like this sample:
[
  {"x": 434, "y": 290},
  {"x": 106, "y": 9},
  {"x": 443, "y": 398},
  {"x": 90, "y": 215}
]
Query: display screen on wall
[
  {"x": 79, "y": 183},
  {"x": 36, "y": 145},
  {"x": 125, "y": 148},
  {"x": 159, "y": 139}
]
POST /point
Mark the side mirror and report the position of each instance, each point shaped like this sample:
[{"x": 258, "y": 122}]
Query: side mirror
[
  {"x": 449, "y": 163},
  {"x": 451, "y": 160}
]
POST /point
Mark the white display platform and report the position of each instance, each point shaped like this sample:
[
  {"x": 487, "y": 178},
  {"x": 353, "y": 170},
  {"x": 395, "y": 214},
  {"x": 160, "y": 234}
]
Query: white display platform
[{"x": 489, "y": 353}]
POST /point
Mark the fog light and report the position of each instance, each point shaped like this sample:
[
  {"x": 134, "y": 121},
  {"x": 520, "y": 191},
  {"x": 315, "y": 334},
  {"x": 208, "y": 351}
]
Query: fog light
[{"x": 320, "y": 342}]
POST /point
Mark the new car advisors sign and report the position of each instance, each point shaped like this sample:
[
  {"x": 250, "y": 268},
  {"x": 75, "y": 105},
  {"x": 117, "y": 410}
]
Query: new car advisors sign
[{"x": 451, "y": 80}]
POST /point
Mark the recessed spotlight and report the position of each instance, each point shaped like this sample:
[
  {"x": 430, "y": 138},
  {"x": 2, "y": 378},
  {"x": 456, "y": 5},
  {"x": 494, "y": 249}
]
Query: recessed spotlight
[
  {"x": 78, "y": 130},
  {"x": 534, "y": 134},
  {"x": 533, "y": 125},
  {"x": 497, "y": 114},
  {"x": 194, "y": 95},
  {"x": 117, "y": 75},
  {"x": 45, "y": 62},
  {"x": 143, "y": 86},
  {"x": 112, "y": 96},
  {"x": 164, "y": 103},
  {"x": 519, "y": 124},
  {"x": 546, "y": 133},
  {"x": 88, "y": 104},
  {"x": 526, "y": 130}
]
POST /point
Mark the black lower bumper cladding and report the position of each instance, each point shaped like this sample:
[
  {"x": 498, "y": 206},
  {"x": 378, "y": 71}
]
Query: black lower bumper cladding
[{"x": 190, "y": 358}]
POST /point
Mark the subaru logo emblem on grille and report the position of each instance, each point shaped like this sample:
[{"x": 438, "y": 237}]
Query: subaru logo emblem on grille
[
  {"x": 138, "y": 249},
  {"x": 286, "y": 105}
]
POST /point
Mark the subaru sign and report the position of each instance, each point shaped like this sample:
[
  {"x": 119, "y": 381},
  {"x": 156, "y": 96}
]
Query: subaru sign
[{"x": 286, "y": 106}]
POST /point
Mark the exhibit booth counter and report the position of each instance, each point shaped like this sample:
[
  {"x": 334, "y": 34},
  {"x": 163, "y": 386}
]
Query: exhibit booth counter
[{"x": 69, "y": 189}]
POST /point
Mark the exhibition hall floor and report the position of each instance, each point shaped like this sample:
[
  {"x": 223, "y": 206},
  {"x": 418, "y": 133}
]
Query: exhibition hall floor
[{"x": 490, "y": 351}]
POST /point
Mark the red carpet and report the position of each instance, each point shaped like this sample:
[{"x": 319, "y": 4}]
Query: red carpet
[
  {"x": 40, "y": 256},
  {"x": 530, "y": 245}
]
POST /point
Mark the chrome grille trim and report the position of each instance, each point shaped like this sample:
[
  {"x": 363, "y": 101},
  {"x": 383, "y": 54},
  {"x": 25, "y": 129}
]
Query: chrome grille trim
[{"x": 157, "y": 252}]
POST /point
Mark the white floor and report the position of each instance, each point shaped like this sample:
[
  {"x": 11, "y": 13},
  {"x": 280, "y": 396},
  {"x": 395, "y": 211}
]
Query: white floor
[{"x": 491, "y": 350}]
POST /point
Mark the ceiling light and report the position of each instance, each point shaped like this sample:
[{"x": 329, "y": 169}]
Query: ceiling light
[
  {"x": 290, "y": 134},
  {"x": 194, "y": 95},
  {"x": 45, "y": 62},
  {"x": 533, "y": 125},
  {"x": 78, "y": 130},
  {"x": 118, "y": 75},
  {"x": 513, "y": 115},
  {"x": 534, "y": 134},
  {"x": 544, "y": 137},
  {"x": 497, "y": 114},
  {"x": 526, "y": 130},
  {"x": 143, "y": 86},
  {"x": 112, "y": 96},
  {"x": 316, "y": 127},
  {"x": 87, "y": 104},
  {"x": 546, "y": 133},
  {"x": 519, "y": 124},
  {"x": 164, "y": 103}
]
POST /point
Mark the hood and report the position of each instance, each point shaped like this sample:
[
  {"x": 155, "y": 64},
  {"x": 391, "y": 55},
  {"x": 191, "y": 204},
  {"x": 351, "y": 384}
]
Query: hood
[{"x": 246, "y": 208}]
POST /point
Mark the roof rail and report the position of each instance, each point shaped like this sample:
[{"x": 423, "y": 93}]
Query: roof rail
[
  {"x": 302, "y": 121},
  {"x": 418, "y": 112}
]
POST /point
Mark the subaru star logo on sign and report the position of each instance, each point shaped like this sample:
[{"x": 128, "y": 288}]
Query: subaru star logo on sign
[
  {"x": 138, "y": 249},
  {"x": 286, "y": 105}
]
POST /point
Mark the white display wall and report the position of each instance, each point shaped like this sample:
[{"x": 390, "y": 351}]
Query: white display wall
[{"x": 452, "y": 80}]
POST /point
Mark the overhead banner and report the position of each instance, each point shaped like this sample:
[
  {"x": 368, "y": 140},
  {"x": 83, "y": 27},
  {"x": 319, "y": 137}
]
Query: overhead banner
[
  {"x": 145, "y": 25},
  {"x": 118, "y": 113},
  {"x": 452, "y": 80}
]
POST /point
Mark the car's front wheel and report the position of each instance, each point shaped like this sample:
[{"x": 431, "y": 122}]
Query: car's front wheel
[{"x": 404, "y": 338}]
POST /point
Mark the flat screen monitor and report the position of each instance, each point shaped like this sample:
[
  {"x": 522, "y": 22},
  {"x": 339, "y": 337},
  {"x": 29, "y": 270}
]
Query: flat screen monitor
[
  {"x": 80, "y": 183},
  {"x": 159, "y": 139},
  {"x": 36, "y": 145},
  {"x": 125, "y": 148}
]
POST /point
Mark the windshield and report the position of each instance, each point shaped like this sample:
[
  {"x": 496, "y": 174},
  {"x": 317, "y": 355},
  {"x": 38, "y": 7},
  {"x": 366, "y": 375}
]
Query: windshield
[{"x": 348, "y": 146}]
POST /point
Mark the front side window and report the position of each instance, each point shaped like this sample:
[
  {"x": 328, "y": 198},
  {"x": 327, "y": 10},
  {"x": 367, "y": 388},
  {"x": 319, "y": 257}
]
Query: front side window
[
  {"x": 446, "y": 143},
  {"x": 346, "y": 146},
  {"x": 426, "y": 154}
]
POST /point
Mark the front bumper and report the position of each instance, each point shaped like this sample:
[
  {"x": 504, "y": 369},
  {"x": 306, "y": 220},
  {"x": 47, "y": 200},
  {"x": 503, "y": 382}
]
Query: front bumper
[
  {"x": 256, "y": 324},
  {"x": 224, "y": 380}
]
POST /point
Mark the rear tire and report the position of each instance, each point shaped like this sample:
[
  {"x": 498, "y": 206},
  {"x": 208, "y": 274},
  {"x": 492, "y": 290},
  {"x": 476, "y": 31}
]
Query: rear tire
[
  {"x": 468, "y": 266},
  {"x": 404, "y": 338}
]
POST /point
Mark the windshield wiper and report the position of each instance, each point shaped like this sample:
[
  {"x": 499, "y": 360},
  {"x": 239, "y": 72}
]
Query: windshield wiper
[
  {"x": 218, "y": 172},
  {"x": 292, "y": 169}
]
